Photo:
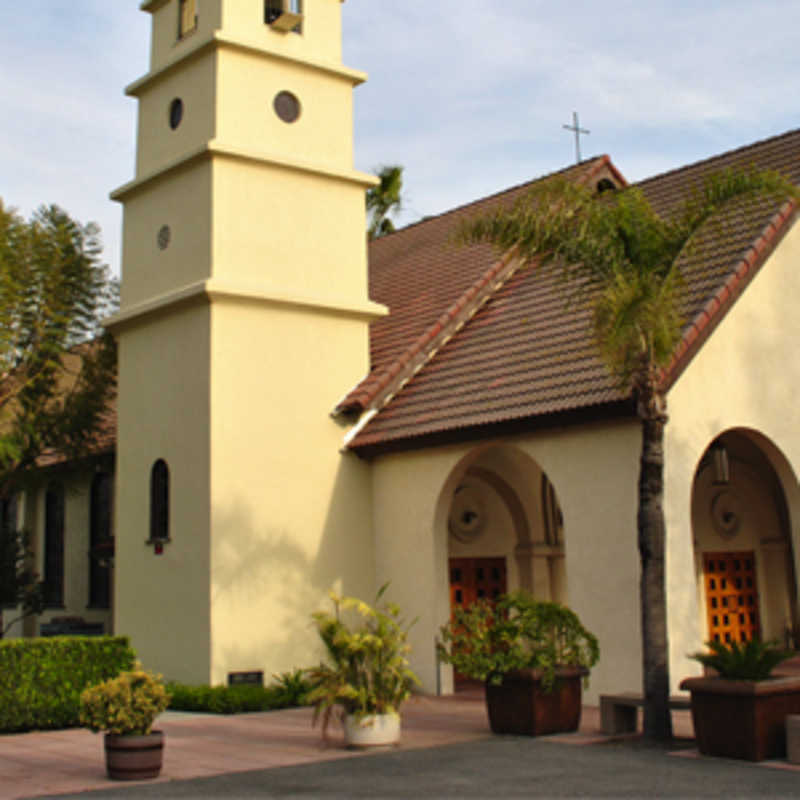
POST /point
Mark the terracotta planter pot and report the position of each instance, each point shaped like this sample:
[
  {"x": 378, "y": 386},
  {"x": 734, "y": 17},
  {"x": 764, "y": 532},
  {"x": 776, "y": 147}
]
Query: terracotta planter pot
[
  {"x": 742, "y": 719},
  {"x": 519, "y": 705},
  {"x": 375, "y": 730},
  {"x": 134, "y": 758}
]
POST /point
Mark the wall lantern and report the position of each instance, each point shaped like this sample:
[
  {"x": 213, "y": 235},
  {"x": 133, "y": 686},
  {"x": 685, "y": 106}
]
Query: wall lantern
[{"x": 722, "y": 466}]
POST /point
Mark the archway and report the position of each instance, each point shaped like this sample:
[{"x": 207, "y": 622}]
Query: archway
[
  {"x": 504, "y": 528},
  {"x": 744, "y": 510}
]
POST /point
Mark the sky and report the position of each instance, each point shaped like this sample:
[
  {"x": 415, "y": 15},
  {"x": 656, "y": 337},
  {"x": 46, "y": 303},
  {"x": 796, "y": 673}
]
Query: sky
[{"x": 470, "y": 97}]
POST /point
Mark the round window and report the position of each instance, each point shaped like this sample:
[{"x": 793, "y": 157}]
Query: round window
[
  {"x": 287, "y": 106},
  {"x": 175, "y": 113}
]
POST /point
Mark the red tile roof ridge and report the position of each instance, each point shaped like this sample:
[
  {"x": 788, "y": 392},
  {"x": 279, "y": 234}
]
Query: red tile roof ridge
[
  {"x": 593, "y": 165},
  {"x": 601, "y": 162},
  {"x": 376, "y": 393},
  {"x": 712, "y": 312},
  {"x": 718, "y": 156}
]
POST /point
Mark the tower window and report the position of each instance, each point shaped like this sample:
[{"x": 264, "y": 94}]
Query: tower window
[
  {"x": 187, "y": 17},
  {"x": 287, "y": 106},
  {"x": 8, "y": 537},
  {"x": 159, "y": 502},
  {"x": 284, "y": 15},
  {"x": 54, "y": 545},
  {"x": 175, "y": 113}
]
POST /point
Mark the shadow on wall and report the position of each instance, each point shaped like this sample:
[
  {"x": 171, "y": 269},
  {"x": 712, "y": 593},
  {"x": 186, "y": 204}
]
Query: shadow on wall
[{"x": 267, "y": 580}]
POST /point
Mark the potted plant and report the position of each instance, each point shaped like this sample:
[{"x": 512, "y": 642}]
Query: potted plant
[
  {"x": 125, "y": 708},
  {"x": 740, "y": 712},
  {"x": 532, "y": 655},
  {"x": 366, "y": 676}
]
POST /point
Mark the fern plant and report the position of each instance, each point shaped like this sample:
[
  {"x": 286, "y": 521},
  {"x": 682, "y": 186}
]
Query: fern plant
[
  {"x": 487, "y": 640},
  {"x": 749, "y": 661},
  {"x": 366, "y": 670}
]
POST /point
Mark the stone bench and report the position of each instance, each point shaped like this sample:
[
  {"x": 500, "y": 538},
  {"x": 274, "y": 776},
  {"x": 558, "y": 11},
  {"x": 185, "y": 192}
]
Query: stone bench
[{"x": 618, "y": 711}]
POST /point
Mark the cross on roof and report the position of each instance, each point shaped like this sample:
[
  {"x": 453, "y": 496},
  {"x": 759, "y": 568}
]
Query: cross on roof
[{"x": 578, "y": 131}]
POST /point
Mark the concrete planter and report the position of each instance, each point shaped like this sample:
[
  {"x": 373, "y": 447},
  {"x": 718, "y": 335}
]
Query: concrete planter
[
  {"x": 519, "y": 705},
  {"x": 742, "y": 719},
  {"x": 374, "y": 730},
  {"x": 134, "y": 758}
]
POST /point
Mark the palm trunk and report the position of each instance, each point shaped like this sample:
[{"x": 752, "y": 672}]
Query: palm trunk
[{"x": 652, "y": 538}]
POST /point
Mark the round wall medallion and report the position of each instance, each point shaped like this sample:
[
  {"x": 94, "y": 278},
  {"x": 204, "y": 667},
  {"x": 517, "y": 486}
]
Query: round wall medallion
[
  {"x": 726, "y": 513},
  {"x": 287, "y": 106},
  {"x": 467, "y": 515},
  {"x": 175, "y": 113},
  {"x": 163, "y": 237}
]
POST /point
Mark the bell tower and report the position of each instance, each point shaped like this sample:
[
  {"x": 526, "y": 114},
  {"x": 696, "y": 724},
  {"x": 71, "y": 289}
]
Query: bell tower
[{"x": 244, "y": 318}]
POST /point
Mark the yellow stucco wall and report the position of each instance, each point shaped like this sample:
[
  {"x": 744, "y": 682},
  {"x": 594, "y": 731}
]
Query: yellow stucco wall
[
  {"x": 237, "y": 340},
  {"x": 290, "y": 513},
  {"x": 594, "y": 470},
  {"x": 181, "y": 203},
  {"x": 162, "y": 601},
  {"x": 745, "y": 376}
]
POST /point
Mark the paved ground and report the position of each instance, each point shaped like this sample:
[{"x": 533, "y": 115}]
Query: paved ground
[{"x": 447, "y": 751}]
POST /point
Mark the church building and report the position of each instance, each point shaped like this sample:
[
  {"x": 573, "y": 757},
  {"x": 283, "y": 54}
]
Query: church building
[{"x": 300, "y": 411}]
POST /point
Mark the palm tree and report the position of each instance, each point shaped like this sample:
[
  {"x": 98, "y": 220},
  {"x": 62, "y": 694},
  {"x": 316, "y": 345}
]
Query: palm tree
[
  {"x": 384, "y": 199},
  {"x": 616, "y": 254}
]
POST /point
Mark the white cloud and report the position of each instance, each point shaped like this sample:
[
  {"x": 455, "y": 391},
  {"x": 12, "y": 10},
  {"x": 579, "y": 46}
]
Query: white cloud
[{"x": 470, "y": 96}]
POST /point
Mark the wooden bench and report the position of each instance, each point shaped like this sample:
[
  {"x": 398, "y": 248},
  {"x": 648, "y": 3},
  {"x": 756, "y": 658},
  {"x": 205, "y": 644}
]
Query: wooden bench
[{"x": 618, "y": 711}]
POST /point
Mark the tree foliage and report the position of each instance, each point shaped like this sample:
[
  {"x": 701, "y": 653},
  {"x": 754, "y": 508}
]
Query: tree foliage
[
  {"x": 614, "y": 252},
  {"x": 383, "y": 200},
  {"x": 57, "y": 366}
]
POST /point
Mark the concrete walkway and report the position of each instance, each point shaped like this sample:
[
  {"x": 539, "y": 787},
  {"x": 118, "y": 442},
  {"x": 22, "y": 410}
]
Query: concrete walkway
[{"x": 236, "y": 749}]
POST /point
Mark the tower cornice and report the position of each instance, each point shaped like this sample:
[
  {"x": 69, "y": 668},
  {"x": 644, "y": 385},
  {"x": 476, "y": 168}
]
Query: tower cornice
[
  {"x": 219, "y": 290},
  {"x": 221, "y": 150},
  {"x": 219, "y": 40}
]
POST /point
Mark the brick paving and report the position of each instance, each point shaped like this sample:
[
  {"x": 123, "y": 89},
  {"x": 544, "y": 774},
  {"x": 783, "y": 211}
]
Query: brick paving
[{"x": 205, "y": 745}]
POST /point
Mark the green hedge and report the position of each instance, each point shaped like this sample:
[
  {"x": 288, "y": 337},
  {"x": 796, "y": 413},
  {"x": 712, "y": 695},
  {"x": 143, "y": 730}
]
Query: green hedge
[
  {"x": 288, "y": 691},
  {"x": 41, "y": 679}
]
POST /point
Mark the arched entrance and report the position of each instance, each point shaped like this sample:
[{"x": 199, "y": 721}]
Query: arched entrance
[
  {"x": 742, "y": 529},
  {"x": 504, "y": 529}
]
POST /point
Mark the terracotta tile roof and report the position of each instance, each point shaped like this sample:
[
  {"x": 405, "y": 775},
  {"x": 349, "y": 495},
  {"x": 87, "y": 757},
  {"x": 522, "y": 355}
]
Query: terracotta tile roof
[
  {"x": 519, "y": 355},
  {"x": 427, "y": 281}
]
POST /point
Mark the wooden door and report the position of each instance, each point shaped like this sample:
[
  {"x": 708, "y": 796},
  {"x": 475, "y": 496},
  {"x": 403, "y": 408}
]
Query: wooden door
[
  {"x": 474, "y": 579},
  {"x": 731, "y": 596}
]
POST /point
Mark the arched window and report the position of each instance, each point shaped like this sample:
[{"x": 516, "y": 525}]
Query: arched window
[
  {"x": 159, "y": 502},
  {"x": 101, "y": 543},
  {"x": 8, "y": 543},
  {"x": 54, "y": 545}
]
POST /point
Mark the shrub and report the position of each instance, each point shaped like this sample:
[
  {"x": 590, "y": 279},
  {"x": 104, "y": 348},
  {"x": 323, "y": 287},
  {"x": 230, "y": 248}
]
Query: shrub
[
  {"x": 485, "y": 641},
  {"x": 288, "y": 691},
  {"x": 367, "y": 669},
  {"x": 125, "y": 705},
  {"x": 749, "y": 661},
  {"x": 41, "y": 680}
]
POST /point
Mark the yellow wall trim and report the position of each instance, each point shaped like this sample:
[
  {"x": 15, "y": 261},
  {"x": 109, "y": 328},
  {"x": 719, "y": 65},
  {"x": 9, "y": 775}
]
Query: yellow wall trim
[
  {"x": 216, "y": 148},
  {"x": 215, "y": 290},
  {"x": 220, "y": 39}
]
